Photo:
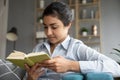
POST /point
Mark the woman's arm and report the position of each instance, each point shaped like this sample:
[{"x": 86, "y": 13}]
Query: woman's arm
[{"x": 60, "y": 64}]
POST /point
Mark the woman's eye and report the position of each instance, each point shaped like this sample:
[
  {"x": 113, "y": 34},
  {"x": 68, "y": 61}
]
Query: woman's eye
[{"x": 54, "y": 26}]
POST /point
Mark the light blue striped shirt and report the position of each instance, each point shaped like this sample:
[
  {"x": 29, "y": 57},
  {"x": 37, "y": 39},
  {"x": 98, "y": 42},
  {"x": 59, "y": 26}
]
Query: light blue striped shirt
[{"x": 89, "y": 59}]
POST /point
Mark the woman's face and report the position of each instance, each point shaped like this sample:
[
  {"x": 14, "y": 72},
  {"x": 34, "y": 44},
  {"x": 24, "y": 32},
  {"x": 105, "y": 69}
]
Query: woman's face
[{"x": 54, "y": 29}]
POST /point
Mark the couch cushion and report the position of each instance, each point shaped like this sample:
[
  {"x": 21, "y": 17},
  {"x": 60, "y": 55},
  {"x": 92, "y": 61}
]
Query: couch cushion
[
  {"x": 73, "y": 76},
  {"x": 8, "y": 71},
  {"x": 98, "y": 76}
]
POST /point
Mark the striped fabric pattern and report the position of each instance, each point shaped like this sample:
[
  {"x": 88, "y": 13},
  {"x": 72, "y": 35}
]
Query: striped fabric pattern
[{"x": 8, "y": 71}]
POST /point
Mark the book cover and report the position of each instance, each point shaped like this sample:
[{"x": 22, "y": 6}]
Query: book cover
[{"x": 19, "y": 58}]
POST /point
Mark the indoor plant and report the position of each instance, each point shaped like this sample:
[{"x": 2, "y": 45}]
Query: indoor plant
[
  {"x": 117, "y": 51},
  {"x": 84, "y": 31},
  {"x": 39, "y": 19}
]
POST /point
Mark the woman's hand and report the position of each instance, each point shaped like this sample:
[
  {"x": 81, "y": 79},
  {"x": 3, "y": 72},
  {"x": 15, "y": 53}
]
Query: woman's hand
[
  {"x": 34, "y": 72},
  {"x": 60, "y": 64}
]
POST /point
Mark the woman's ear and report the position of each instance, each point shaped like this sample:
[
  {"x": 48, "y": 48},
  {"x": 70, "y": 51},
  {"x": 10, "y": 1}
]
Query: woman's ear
[{"x": 69, "y": 25}]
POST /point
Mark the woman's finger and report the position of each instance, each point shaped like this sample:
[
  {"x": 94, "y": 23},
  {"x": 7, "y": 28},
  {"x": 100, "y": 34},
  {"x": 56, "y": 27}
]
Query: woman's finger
[{"x": 27, "y": 67}]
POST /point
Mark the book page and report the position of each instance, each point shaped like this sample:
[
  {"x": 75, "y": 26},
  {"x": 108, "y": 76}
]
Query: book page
[
  {"x": 16, "y": 55},
  {"x": 35, "y": 54}
]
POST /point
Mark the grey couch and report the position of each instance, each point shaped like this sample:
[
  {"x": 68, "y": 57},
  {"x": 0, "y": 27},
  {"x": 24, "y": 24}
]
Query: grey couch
[{"x": 8, "y": 71}]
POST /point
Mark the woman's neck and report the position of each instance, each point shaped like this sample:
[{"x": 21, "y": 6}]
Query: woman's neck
[{"x": 52, "y": 47}]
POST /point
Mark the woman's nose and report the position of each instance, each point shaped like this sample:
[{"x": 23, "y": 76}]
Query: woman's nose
[{"x": 49, "y": 31}]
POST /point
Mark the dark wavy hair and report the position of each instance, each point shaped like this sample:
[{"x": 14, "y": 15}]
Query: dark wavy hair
[{"x": 60, "y": 10}]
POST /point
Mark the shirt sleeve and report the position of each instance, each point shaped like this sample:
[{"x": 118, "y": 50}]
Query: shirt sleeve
[{"x": 93, "y": 61}]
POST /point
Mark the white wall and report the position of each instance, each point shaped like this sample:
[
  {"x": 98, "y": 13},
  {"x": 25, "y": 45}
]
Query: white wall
[
  {"x": 21, "y": 15},
  {"x": 110, "y": 27},
  {"x": 3, "y": 26}
]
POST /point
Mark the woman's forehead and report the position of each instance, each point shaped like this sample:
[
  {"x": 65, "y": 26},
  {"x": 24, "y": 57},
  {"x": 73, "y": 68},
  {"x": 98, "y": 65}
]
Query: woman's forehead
[{"x": 51, "y": 19}]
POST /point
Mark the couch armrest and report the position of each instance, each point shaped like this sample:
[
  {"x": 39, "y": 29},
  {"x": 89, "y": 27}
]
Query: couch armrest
[
  {"x": 73, "y": 76},
  {"x": 88, "y": 76},
  {"x": 98, "y": 76}
]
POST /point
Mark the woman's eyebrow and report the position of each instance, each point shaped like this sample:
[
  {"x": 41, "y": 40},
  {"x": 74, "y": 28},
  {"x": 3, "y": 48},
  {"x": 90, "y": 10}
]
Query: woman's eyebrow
[{"x": 50, "y": 24}]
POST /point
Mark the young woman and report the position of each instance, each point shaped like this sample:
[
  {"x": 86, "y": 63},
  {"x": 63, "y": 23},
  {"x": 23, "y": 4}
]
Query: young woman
[{"x": 67, "y": 54}]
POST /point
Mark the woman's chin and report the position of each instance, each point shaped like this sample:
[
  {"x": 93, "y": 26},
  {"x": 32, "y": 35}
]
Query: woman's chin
[{"x": 52, "y": 41}]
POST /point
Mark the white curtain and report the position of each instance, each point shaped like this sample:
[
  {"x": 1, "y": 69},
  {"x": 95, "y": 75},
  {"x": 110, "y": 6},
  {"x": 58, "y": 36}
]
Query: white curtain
[{"x": 3, "y": 26}]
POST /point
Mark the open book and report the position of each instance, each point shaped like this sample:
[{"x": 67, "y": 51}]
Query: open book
[{"x": 19, "y": 58}]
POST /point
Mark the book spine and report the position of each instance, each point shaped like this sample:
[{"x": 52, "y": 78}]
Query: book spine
[{"x": 29, "y": 62}]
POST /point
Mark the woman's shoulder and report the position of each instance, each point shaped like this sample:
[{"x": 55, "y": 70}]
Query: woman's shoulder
[
  {"x": 38, "y": 47},
  {"x": 76, "y": 41}
]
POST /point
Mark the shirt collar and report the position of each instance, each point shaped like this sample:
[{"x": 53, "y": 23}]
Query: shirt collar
[{"x": 64, "y": 44}]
